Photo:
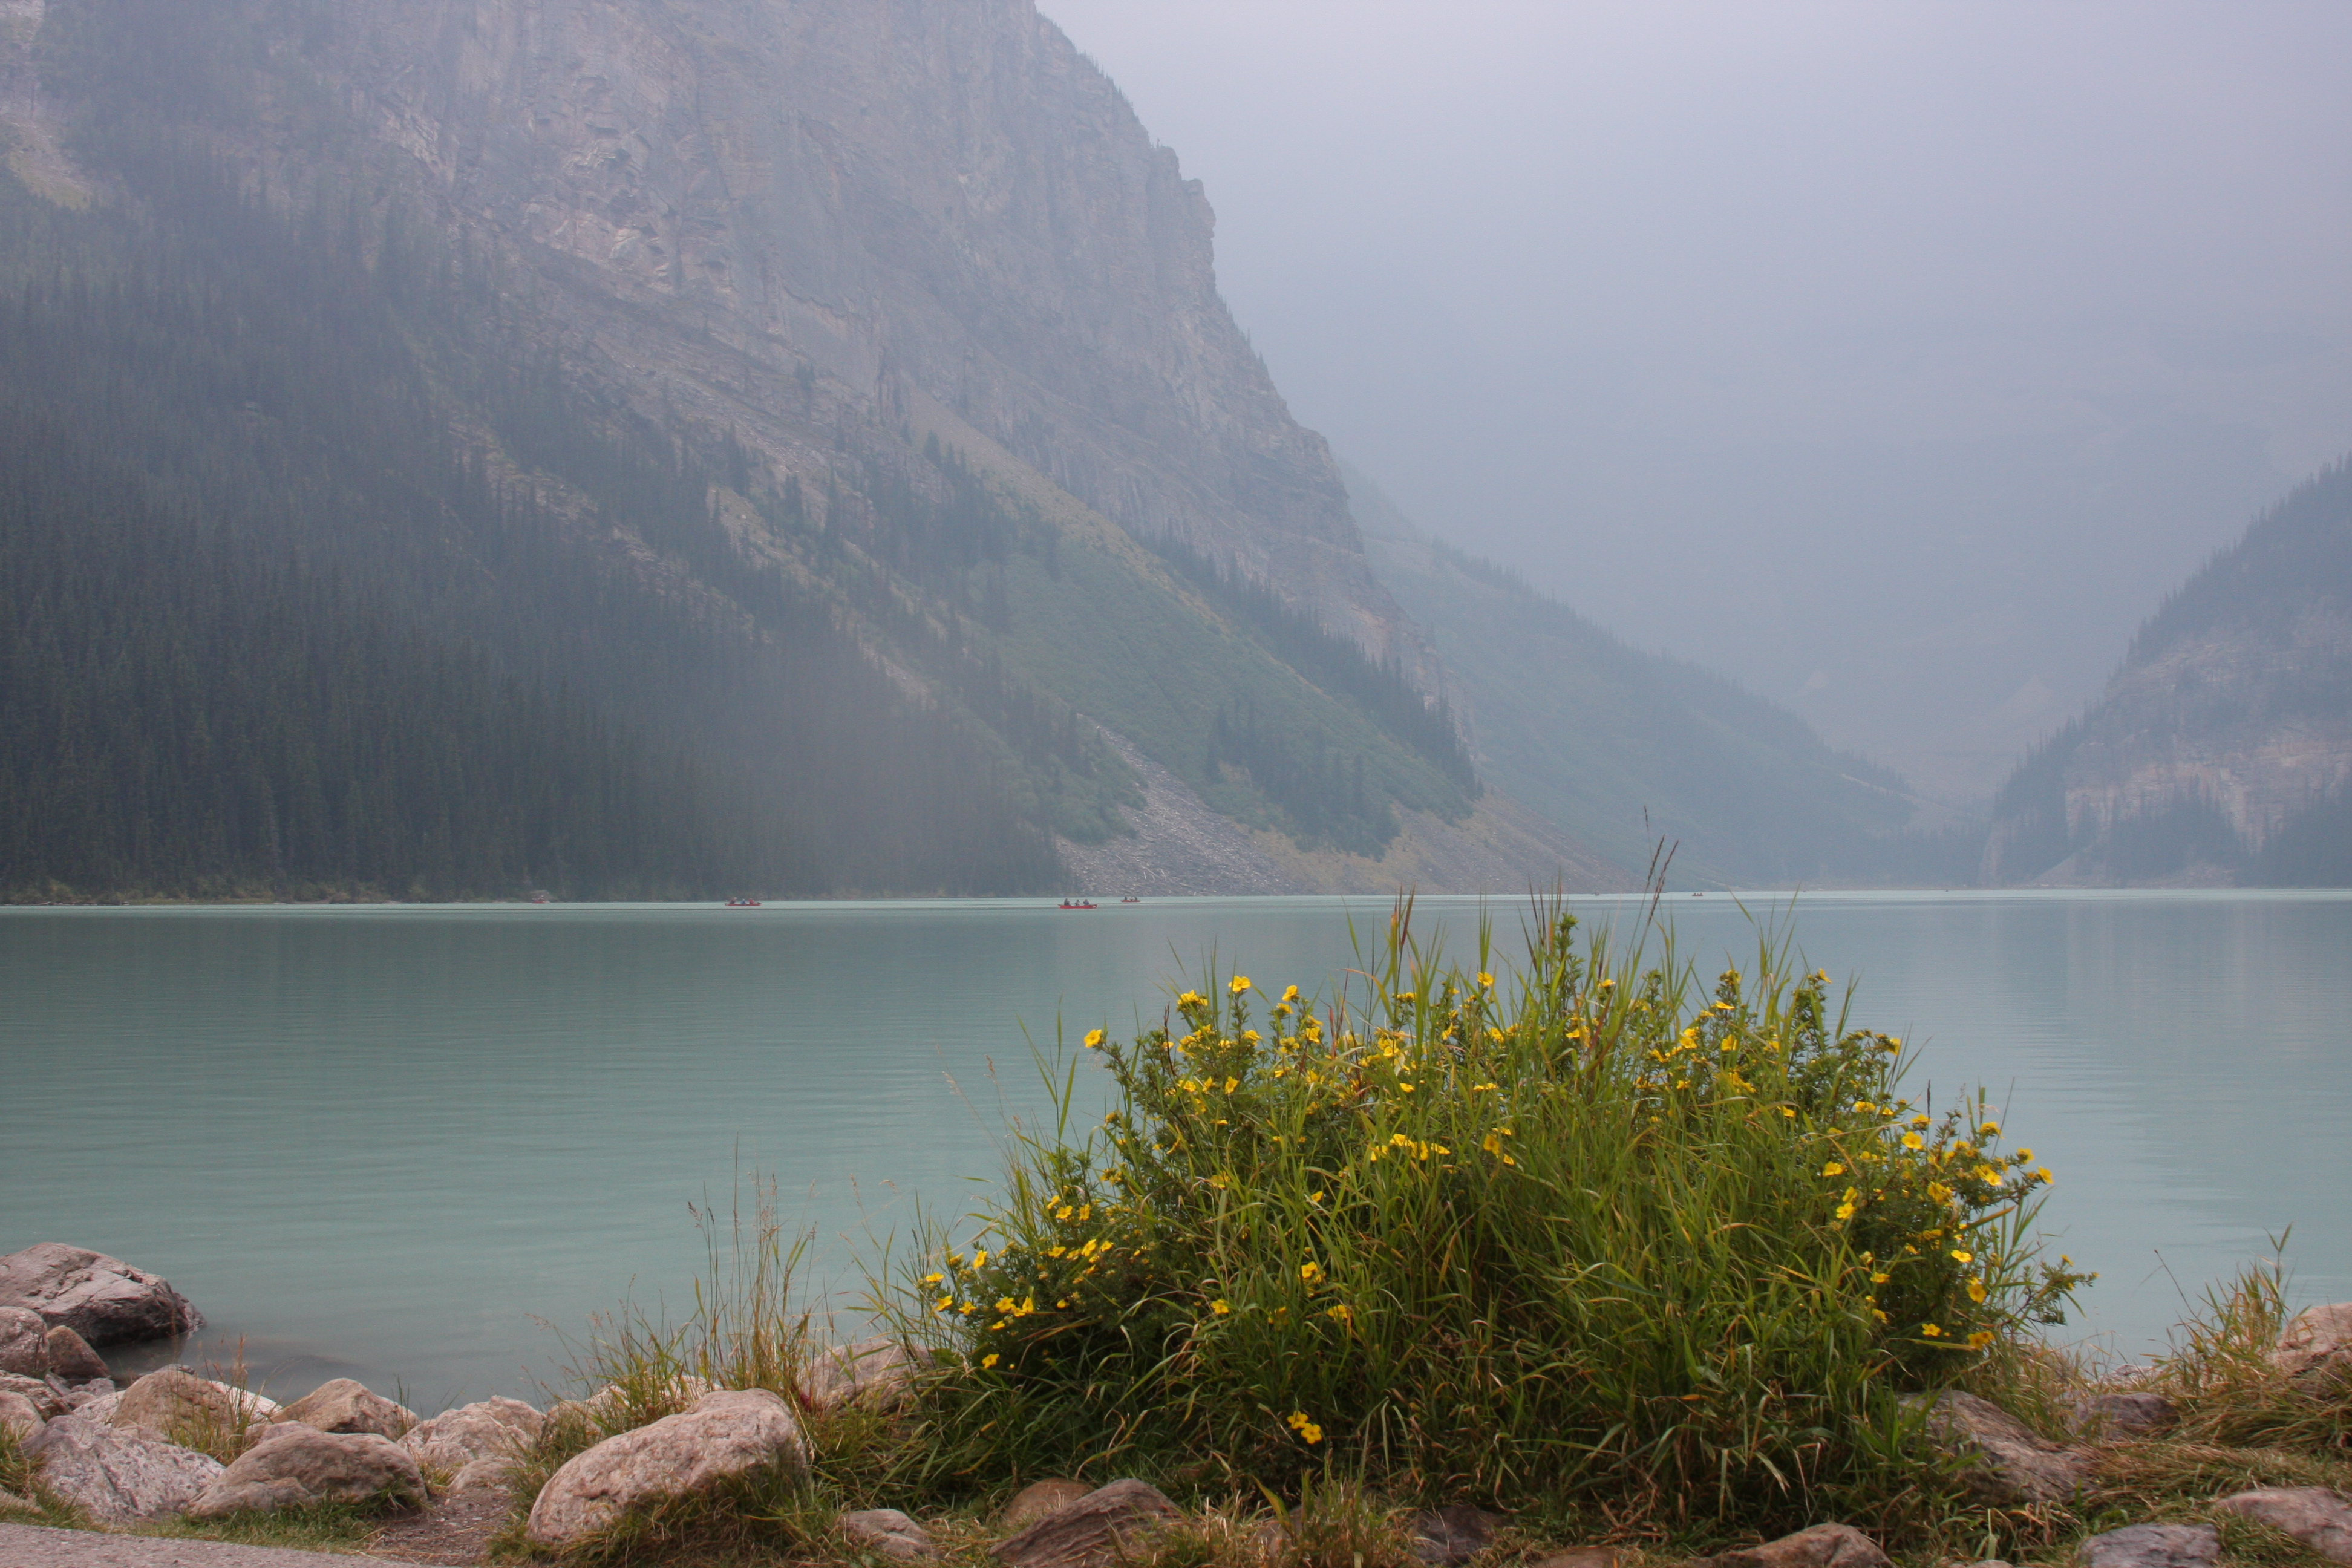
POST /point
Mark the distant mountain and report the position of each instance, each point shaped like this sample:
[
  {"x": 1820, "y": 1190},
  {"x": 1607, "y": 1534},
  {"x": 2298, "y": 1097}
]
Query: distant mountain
[
  {"x": 2222, "y": 749},
  {"x": 1623, "y": 748}
]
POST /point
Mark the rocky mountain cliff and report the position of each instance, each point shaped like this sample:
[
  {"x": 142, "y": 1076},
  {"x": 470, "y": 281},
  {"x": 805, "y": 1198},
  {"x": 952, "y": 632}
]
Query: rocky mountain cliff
[{"x": 2222, "y": 749}]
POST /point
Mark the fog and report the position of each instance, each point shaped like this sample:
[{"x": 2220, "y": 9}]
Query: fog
[{"x": 1895, "y": 359}]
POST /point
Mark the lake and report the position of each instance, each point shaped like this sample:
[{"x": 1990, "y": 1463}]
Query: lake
[{"x": 411, "y": 1144}]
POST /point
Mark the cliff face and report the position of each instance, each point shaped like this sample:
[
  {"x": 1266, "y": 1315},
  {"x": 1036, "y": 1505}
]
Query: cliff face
[
  {"x": 922, "y": 201},
  {"x": 2222, "y": 749}
]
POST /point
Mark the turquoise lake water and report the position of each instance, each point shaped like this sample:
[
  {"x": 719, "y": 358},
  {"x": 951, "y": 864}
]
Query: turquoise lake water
[{"x": 410, "y": 1144}]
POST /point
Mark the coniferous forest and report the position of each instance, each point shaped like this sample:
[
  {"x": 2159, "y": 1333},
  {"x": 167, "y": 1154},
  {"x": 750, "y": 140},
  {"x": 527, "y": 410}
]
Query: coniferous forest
[{"x": 275, "y": 624}]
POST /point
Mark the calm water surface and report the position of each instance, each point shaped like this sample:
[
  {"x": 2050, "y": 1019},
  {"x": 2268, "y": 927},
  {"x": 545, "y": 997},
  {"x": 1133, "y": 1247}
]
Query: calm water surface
[{"x": 407, "y": 1144}]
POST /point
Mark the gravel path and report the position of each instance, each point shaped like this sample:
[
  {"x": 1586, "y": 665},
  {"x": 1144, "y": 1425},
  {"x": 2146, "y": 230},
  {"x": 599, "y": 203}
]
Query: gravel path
[{"x": 30, "y": 1546}]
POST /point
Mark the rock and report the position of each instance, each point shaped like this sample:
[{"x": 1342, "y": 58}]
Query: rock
[
  {"x": 868, "y": 1371},
  {"x": 2153, "y": 1546},
  {"x": 2012, "y": 1463},
  {"x": 1992, "y": 1562},
  {"x": 19, "y": 1417},
  {"x": 118, "y": 1474},
  {"x": 1452, "y": 1535},
  {"x": 721, "y": 1437},
  {"x": 485, "y": 1474},
  {"x": 1822, "y": 1546},
  {"x": 97, "y": 1407},
  {"x": 24, "y": 1342},
  {"x": 171, "y": 1401},
  {"x": 493, "y": 1429},
  {"x": 887, "y": 1531},
  {"x": 343, "y": 1406},
  {"x": 2316, "y": 1515},
  {"x": 2099, "y": 1417},
  {"x": 103, "y": 1299},
  {"x": 1580, "y": 1557},
  {"x": 2317, "y": 1345},
  {"x": 45, "y": 1399},
  {"x": 71, "y": 1358},
  {"x": 608, "y": 1409},
  {"x": 1035, "y": 1501},
  {"x": 297, "y": 1466},
  {"x": 1091, "y": 1532}
]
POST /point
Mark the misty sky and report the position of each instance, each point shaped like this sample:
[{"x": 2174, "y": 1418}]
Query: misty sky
[{"x": 1895, "y": 358}]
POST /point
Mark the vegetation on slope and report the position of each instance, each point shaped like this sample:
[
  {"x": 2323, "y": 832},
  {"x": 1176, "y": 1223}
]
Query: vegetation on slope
[{"x": 1618, "y": 746}]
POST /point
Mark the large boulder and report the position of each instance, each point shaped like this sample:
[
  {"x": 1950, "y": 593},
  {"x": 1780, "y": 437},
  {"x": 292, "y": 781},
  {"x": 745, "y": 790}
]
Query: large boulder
[
  {"x": 2317, "y": 1517},
  {"x": 1822, "y": 1546},
  {"x": 1452, "y": 1535},
  {"x": 2316, "y": 1346},
  {"x": 870, "y": 1371},
  {"x": 295, "y": 1465},
  {"x": 173, "y": 1401},
  {"x": 721, "y": 1437},
  {"x": 2010, "y": 1463},
  {"x": 497, "y": 1429},
  {"x": 19, "y": 1417},
  {"x": 72, "y": 1360},
  {"x": 1102, "y": 1527},
  {"x": 343, "y": 1406},
  {"x": 24, "y": 1342},
  {"x": 2153, "y": 1546},
  {"x": 118, "y": 1473},
  {"x": 103, "y": 1299}
]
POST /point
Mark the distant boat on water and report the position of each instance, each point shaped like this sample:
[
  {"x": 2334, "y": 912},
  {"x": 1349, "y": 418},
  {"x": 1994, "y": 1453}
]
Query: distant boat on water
[
  {"x": 743, "y": 903},
  {"x": 1078, "y": 904}
]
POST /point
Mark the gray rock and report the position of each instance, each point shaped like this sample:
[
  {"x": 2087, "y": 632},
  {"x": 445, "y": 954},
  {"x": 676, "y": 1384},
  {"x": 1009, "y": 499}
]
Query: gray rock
[
  {"x": 102, "y": 1299},
  {"x": 887, "y": 1531},
  {"x": 295, "y": 1465},
  {"x": 722, "y": 1438},
  {"x": 1037, "y": 1499},
  {"x": 86, "y": 1401},
  {"x": 1452, "y": 1535},
  {"x": 2316, "y": 1347},
  {"x": 1822, "y": 1546},
  {"x": 19, "y": 1417},
  {"x": 171, "y": 1401},
  {"x": 1092, "y": 1532},
  {"x": 343, "y": 1406},
  {"x": 2103, "y": 1417},
  {"x": 43, "y": 1398},
  {"x": 24, "y": 1342},
  {"x": 71, "y": 1358},
  {"x": 2153, "y": 1546},
  {"x": 495, "y": 1429},
  {"x": 118, "y": 1474},
  {"x": 873, "y": 1373},
  {"x": 2319, "y": 1518},
  {"x": 2011, "y": 1464},
  {"x": 480, "y": 1476}
]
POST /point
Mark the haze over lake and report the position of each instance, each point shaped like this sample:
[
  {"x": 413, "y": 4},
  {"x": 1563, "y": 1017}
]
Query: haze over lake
[{"x": 398, "y": 1143}]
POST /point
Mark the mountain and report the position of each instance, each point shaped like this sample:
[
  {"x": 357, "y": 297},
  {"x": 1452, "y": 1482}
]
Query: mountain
[
  {"x": 1623, "y": 748},
  {"x": 684, "y": 447},
  {"x": 2222, "y": 749}
]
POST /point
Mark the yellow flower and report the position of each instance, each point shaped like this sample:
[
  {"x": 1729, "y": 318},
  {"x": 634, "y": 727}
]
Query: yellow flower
[
  {"x": 1980, "y": 1339},
  {"x": 1221, "y": 1306},
  {"x": 1311, "y": 1272},
  {"x": 1940, "y": 1193},
  {"x": 1095, "y": 1038},
  {"x": 1989, "y": 1130},
  {"x": 1920, "y": 1122},
  {"x": 934, "y": 1279},
  {"x": 1304, "y": 1428},
  {"x": 943, "y": 1304},
  {"x": 1832, "y": 1169},
  {"x": 1005, "y": 1304},
  {"x": 1865, "y": 1107},
  {"x": 2042, "y": 1175},
  {"x": 1239, "y": 984},
  {"x": 1976, "y": 1289},
  {"x": 1191, "y": 999},
  {"x": 1913, "y": 1140},
  {"x": 1339, "y": 1311},
  {"x": 1290, "y": 993},
  {"x": 980, "y": 1258},
  {"x": 1880, "y": 1278},
  {"x": 1931, "y": 1331},
  {"x": 1485, "y": 979},
  {"x": 988, "y": 1361}
]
